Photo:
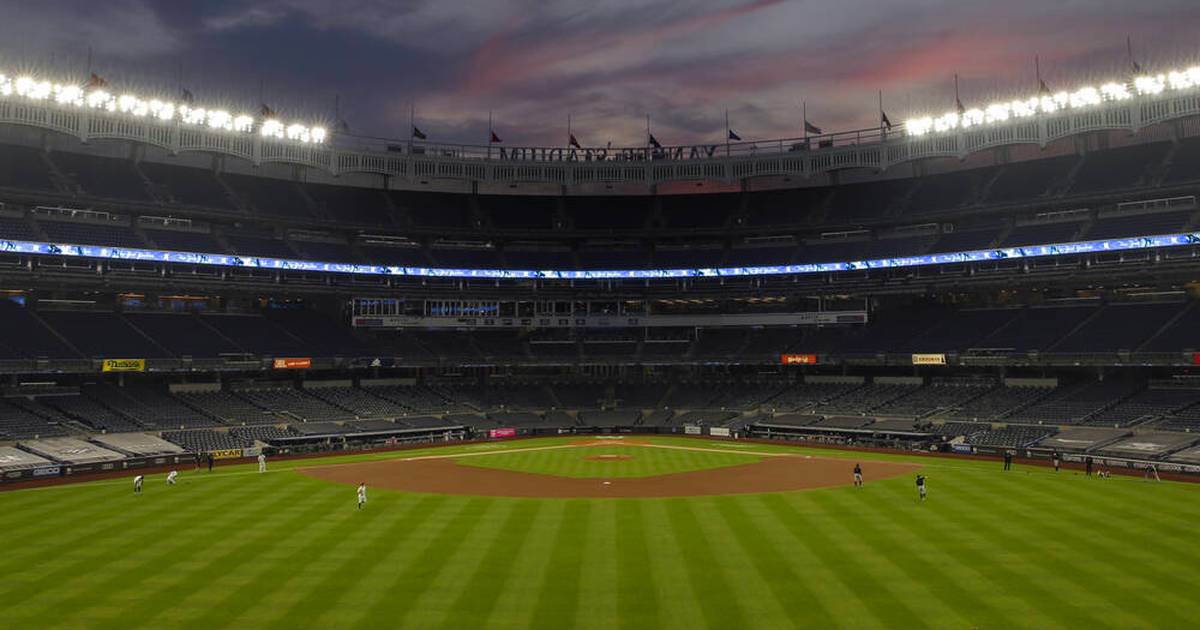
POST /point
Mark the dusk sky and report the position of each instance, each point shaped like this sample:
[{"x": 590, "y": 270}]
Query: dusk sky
[{"x": 606, "y": 63}]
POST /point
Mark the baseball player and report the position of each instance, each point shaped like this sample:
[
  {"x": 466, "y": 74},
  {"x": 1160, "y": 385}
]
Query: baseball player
[
  {"x": 1057, "y": 460},
  {"x": 171, "y": 477},
  {"x": 262, "y": 463},
  {"x": 858, "y": 482},
  {"x": 362, "y": 495},
  {"x": 921, "y": 486},
  {"x": 137, "y": 484}
]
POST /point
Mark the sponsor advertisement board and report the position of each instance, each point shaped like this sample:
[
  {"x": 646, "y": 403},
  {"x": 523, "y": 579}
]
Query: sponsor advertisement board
[
  {"x": 718, "y": 431},
  {"x": 292, "y": 363},
  {"x": 798, "y": 359},
  {"x": 929, "y": 359},
  {"x": 502, "y": 433},
  {"x": 226, "y": 453},
  {"x": 1196, "y": 358},
  {"x": 47, "y": 471},
  {"x": 123, "y": 365},
  {"x": 692, "y": 429}
]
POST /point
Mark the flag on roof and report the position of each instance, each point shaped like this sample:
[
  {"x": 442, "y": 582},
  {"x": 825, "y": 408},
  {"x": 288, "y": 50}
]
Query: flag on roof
[
  {"x": 811, "y": 128},
  {"x": 1043, "y": 89},
  {"x": 96, "y": 81},
  {"x": 734, "y": 136},
  {"x": 884, "y": 121},
  {"x": 417, "y": 133},
  {"x": 265, "y": 111},
  {"x": 654, "y": 142},
  {"x": 495, "y": 138},
  {"x": 959, "y": 106},
  {"x": 572, "y": 142},
  {"x": 186, "y": 96}
]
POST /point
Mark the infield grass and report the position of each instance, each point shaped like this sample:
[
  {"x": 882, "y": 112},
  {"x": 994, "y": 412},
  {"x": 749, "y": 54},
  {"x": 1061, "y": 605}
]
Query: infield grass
[{"x": 1027, "y": 548}]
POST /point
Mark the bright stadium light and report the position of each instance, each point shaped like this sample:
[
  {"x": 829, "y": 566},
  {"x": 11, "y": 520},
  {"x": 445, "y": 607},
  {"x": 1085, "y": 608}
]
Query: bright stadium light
[
  {"x": 272, "y": 129},
  {"x": 96, "y": 97},
  {"x": 1081, "y": 98}
]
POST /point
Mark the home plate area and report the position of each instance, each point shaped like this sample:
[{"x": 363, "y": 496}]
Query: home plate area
[{"x": 754, "y": 472}]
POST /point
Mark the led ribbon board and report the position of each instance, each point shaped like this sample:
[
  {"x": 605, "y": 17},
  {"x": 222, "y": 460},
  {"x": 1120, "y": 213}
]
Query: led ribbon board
[{"x": 281, "y": 264}]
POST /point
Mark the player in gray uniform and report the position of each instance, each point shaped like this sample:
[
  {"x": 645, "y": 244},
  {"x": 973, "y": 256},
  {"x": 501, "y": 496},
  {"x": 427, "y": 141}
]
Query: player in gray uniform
[
  {"x": 137, "y": 484},
  {"x": 362, "y": 495}
]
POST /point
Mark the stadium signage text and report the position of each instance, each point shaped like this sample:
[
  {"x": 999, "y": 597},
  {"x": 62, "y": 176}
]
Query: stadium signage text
[
  {"x": 948, "y": 258},
  {"x": 123, "y": 365},
  {"x": 929, "y": 359},
  {"x": 502, "y": 433},
  {"x": 226, "y": 453},
  {"x": 798, "y": 359},
  {"x": 294, "y": 363},
  {"x": 545, "y": 154}
]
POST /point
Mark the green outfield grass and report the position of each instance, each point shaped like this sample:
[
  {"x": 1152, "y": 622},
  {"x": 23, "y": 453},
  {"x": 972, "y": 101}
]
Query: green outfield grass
[
  {"x": 642, "y": 462},
  {"x": 233, "y": 548}
]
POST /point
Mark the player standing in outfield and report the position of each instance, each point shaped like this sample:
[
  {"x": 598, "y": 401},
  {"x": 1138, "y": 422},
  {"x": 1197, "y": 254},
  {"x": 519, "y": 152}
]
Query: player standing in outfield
[
  {"x": 262, "y": 463},
  {"x": 858, "y": 482},
  {"x": 171, "y": 477},
  {"x": 921, "y": 486},
  {"x": 137, "y": 484},
  {"x": 1057, "y": 460},
  {"x": 362, "y": 495},
  {"x": 1008, "y": 460}
]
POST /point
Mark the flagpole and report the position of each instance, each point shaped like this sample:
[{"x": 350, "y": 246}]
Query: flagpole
[
  {"x": 1037, "y": 72},
  {"x": 412, "y": 123},
  {"x": 568, "y": 130},
  {"x": 882, "y": 131},
  {"x": 804, "y": 125},
  {"x": 649, "y": 151},
  {"x": 491, "y": 134},
  {"x": 726, "y": 132}
]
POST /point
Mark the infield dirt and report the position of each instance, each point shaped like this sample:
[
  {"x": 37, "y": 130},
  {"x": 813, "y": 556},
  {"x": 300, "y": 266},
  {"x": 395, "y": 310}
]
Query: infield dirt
[{"x": 443, "y": 475}]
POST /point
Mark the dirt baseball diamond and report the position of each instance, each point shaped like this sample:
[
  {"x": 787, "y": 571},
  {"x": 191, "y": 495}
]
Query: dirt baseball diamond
[{"x": 443, "y": 475}]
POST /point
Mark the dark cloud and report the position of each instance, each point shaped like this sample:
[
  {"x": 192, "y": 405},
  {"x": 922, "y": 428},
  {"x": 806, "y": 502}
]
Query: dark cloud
[{"x": 607, "y": 64}]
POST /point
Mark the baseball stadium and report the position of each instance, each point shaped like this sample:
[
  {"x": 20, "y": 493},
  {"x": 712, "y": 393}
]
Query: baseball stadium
[{"x": 263, "y": 368}]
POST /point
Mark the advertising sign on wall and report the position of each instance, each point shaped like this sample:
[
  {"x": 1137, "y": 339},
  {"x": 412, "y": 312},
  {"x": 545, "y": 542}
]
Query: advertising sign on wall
[
  {"x": 124, "y": 365},
  {"x": 294, "y": 363},
  {"x": 798, "y": 359},
  {"x": 929, "y": 359},
  {"x": 502, "y": 433}
]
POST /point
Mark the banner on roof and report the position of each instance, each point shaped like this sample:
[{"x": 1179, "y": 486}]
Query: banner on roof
[
  {"x": 929, "y": 359},
  {"x": 798, "y": 359},
  {"x": 294, "y": 363},
  {"x": 123, "y": 365}
]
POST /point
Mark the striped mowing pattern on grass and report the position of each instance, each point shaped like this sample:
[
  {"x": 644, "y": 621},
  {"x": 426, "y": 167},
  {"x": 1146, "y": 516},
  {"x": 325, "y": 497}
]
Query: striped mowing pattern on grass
[
  {"x": 233, "y": 548},
  {"x": 643, "y": 461}
]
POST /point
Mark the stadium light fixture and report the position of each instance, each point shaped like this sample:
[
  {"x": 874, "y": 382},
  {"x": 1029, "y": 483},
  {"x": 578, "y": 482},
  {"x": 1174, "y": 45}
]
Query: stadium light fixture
[
  {"x": 97, "y": 98},
  {"x": 1081, "y": 98}
]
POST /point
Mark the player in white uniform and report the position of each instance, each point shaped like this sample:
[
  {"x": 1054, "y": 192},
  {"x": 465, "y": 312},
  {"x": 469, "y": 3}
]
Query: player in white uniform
[
  {"x": 362, "y": 495},
  {"x": 171, "y": 477},
  {"x": 137, "y": 484},
  {"x": 262, "y": 463}
]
